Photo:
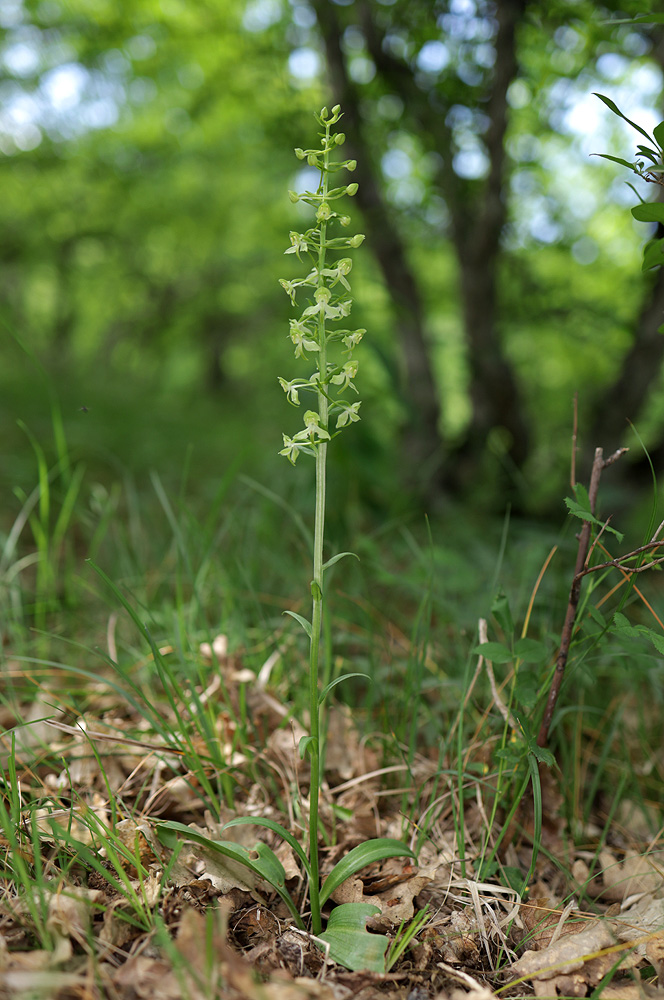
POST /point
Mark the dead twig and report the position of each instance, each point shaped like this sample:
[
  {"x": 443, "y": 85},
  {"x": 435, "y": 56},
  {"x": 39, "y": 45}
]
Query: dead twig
[{"x": 599, "y": 463}]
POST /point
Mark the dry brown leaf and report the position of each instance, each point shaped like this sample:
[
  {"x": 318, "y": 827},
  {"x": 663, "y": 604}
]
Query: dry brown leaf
[
  {"x": 655, "y": 955},
  {"x": 145, "y": 978},
  {"x": 571, "y": 965},
  {"x": 637, "y": 873},
  {"x": 69, "y": 912}
]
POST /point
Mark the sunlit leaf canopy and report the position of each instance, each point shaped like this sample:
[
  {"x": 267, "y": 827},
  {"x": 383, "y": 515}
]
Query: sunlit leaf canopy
[{"x": 146, "y": 154}]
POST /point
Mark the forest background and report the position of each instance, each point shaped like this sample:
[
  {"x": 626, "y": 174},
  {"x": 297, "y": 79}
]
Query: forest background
[{"x": 146, "y": 154}]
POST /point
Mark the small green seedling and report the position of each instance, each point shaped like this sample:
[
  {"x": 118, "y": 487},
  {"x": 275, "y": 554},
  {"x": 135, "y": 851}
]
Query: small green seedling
[{"x": 319, "y": 338}]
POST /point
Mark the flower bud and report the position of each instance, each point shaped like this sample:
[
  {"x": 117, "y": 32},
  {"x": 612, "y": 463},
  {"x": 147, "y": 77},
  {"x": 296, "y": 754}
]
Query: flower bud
[
  {"x": 344, "y": 220},
  {"x": 323, "y": 113},
  {"x": 352, "y": 189},
  {"x": 351, "y": 165},
  {"x": 336, "y": 109},
  {"x": 340, "y": 138},
  {"x": 312, "y": 160},
  {"x": 299, "y": 153},
  {"x": 356, "y": 241},
  {"x": 294, "y": 196}
]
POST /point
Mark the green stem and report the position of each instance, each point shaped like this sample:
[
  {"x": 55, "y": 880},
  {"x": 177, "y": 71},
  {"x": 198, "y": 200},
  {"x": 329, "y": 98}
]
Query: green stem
[{"x": 317, "y": 588}]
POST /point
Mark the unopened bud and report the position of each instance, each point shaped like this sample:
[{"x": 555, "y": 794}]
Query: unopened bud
[
  {"x": 294, "y": 196},
  {"x": 352, "y": 189},
  {"x": 340, "y": 138},
  {"x": 299, "y": 153},
  {"x": 356, "y": 241},
  {"x": 351, "y": 165}
]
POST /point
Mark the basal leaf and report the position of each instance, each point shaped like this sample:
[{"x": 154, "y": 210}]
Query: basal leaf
[
  {"x": 277, "y": 828},
  {"x": 350, "y": 943},
  {"x": 359, "y": 857},
  {"x": 261, "y": 860}
]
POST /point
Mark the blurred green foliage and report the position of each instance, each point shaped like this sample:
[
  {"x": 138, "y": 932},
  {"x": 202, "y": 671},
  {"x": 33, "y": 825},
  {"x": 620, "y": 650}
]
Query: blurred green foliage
[{"x": 145, "y": 157}]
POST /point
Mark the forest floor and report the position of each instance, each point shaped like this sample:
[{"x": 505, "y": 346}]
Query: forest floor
[{"x": 94, "y": 905}]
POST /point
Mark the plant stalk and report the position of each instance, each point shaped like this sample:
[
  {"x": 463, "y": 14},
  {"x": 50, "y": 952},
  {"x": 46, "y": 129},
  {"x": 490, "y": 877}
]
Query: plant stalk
[{"x": 317, "y": 586}]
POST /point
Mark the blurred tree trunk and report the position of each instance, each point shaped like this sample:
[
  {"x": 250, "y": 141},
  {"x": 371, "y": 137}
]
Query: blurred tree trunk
[
  {"x": 477, "y": 227},
  {"x": 625, "y": 399},
  {"x": 477, "y": 217},
  {"x": 422, "y": 444}
]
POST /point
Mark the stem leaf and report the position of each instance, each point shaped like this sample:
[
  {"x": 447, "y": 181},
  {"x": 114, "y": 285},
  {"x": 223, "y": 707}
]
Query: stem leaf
[
  {"x": 303, "y": 621},
  {"x": 339, "y": 555},
  {"x": 337, "y": 680}
]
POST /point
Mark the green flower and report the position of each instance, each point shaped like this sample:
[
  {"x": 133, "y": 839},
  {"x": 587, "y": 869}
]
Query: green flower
[
  {"x": 291, "y": 449},
  {"x": 313, "y": 428},
  {"x": 302, "y": 337},
  {"x": 351, "y": 340},
  {"x": 343, "y": 378},
  {"x": 290, "y": 388},
  {"x": 349, "y": 414},
  {"x": 298, "y": 244}
]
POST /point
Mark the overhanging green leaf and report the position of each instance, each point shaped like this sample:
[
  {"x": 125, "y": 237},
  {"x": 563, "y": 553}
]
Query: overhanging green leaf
[
  {"x": 649, "y": 211},
  {"x": 617, "y": 159},
  {"x": 616, "y": 110}
]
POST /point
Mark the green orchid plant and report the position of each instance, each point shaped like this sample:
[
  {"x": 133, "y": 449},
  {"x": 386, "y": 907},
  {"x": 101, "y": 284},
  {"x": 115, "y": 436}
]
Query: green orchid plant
[{"x": 319, "y": 337}]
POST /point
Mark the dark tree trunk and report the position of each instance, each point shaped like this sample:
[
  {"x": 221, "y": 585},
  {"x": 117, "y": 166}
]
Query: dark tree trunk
[
  {"x": 477, "y": 211},
  {"x": 422, "y": 444},
  {"x": 477, "y": 231}
]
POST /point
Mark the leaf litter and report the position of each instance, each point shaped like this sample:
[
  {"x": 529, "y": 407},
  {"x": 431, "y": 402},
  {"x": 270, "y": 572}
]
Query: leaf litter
[{"x": 115, "y": 913}]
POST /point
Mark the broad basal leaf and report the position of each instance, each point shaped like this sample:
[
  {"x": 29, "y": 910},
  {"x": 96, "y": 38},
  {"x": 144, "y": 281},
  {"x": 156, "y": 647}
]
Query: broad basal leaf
[
  {"x": 360, "y": 857},
  {"x": 351, "y": 944},
  {"x": 261, "y": 860}
]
